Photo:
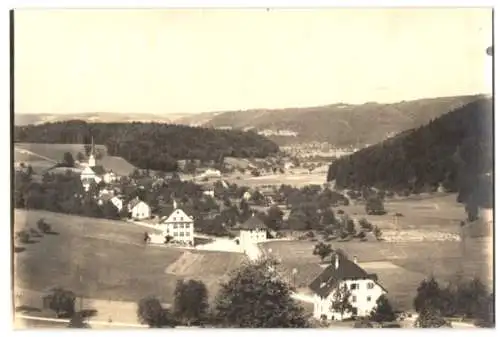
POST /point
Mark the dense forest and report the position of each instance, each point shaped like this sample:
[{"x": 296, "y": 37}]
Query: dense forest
[
  {"x": 454, "y": 151},
  {"x": 151, "y": 145}
]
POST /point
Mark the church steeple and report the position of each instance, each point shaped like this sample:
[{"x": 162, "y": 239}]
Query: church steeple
[{"x": 92, "y": 154}]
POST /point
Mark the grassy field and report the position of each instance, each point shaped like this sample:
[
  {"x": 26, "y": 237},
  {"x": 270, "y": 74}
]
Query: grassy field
[
  {"x": 438, "y": 212},
  {"x": 43, "y": 156},
  {"x": 105, "y": 259},
  {"x": 405, "y": 264},
  {"x": 296, "y": 180}
]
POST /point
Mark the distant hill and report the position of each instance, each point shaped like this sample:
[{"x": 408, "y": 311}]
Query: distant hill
[
  {"x": 152, "y": 146},
  {"x": 95, "y": 117},
  {"x": 338, "y": 124},
  {"x": 454, "y": 150},
  {"x": 341, "y": 124}
]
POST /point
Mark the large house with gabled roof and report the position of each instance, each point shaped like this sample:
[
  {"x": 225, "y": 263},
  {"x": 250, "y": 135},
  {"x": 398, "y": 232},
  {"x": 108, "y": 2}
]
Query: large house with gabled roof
[
  {"x": 179, "y": 226},
  {"x": 362, "y": 288},
  {"x": 252, "y": 231}
]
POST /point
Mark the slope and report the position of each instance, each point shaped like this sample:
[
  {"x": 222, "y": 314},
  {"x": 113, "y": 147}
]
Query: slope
[
  {"x": 342, "y": 124},
  {"x": 455, "y": 151}
]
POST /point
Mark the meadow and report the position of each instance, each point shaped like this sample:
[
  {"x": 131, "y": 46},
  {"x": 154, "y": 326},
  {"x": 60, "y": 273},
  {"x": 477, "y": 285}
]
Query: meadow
[
  {"x": 105, "y": 259},
  {"x": 401, "y": 265},
  {"x": 43, "y": 156}
]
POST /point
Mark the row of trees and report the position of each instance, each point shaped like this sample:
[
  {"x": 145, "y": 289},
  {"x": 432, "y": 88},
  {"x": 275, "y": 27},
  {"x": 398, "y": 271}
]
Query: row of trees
[
  {"x": 152, "y": 145},
  {"x": 463, "y": 298},
  {"x": 454, "y": 151}
]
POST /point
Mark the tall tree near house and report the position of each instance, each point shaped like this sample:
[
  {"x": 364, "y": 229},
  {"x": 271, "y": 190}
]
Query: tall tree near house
[
  {"x": 88, "y": 149},
  {"x": 256, "y": 297},
  {"x": 341, "y": 301},
  {"x": 274, "y": 218},
  {"x": 322, "y": 250},
  {"x": 428, "y": 295},
  {"x": 80, "y": 157},
  {"x": 383, "y": 312},
  {"x": 68, "y": 160},
  {"x": 191, "y": 301}
]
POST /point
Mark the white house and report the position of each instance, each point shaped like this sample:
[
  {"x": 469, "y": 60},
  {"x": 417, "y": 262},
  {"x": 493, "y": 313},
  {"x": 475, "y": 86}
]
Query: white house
[
  {"x": 179, "y": 226},
  {"x": 117, "y": 202},
  {"x": 212, "y": 173},
  {"x": 139, "y": 209},
  {"x": 363, "y": 289},
  {"x": 110, "y": 177},
  {"x": 252, "y": 231}
]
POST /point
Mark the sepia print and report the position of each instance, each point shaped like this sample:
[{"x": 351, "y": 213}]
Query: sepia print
[{"x": 264, "y": 168}]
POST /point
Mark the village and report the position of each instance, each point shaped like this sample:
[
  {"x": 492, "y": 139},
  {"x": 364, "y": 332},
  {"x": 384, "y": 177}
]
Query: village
[{"x": 206, "y": 212}]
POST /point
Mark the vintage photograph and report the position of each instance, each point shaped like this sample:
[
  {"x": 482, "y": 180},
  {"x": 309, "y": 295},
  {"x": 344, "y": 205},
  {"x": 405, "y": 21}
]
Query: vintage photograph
[{"x": 252, "y": 168}]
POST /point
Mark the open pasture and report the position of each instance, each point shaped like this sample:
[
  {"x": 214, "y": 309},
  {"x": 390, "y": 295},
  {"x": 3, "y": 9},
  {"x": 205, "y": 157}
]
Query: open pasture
[
  {"x": 296, "y": 180},
  {"x": 36, "y": 153},
  {"x": 437, "y": 213},
  {"x": 56, "y": 151},
  {"x": 105, "y": 259}
]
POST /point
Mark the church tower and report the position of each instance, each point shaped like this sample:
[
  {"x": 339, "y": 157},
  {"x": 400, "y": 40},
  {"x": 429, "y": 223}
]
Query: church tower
[{"x": 92, "y": 155}]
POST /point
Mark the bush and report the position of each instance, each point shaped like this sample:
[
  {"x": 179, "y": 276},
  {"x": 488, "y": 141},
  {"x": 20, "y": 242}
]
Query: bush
[
  {"x": 43, "y": 226},
  {"x": 23, "y": 236},
  {"x": 61, "y": 301}
]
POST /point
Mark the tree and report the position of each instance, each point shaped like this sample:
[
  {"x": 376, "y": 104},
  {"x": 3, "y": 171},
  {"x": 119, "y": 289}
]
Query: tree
[
  {"x": 23, "y": 236},
  {"x": 88, "y": 149},
  {"x": 43, "y": 226},
  {"x": 322, "y": 250},
  {"x": 328, "y": 217},
  {"x": 191, "y": 301},
  {"x": 485, "y": 317},
  {"x": 383, "y": 312},
  {"x": 377, "y": 232},
  {"x": 274, "y": 218},
  {"x": 61, "y": 301},
  {"x": 68, "y": 160},
  {"x": 428, "y": 296},
  {"x": 430, "y": 317},
  {"x": 151, "y": 312},
  {"x": 341, "y": 301},
  {"x": 256, "y": 297},
  {"x": 78, "y": 322},
  {"x": 375, "y": 206},
  {"x": 80, "y": 157}
]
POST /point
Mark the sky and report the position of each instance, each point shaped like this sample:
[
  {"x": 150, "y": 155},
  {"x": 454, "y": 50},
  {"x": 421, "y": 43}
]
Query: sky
[{"x": 188, "y": 61}]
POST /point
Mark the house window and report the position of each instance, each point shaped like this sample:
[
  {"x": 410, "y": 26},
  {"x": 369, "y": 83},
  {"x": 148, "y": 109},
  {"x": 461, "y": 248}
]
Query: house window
[
  {"x": 176, "y": 234},
  {"x": 370, "y": 285},
  {"x": 181, "y": 233},
  {"x": 354, "y": 299},
  {"x": 175, "y": 226},
  {"x": 354, "y": 286},
  {"x": 175, "y": 219},
  {"x": 187, "y": 233},
  {"x": 368, "y": 298}
]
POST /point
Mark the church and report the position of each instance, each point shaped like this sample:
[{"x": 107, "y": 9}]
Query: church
[{"x": 92, "y": 172}]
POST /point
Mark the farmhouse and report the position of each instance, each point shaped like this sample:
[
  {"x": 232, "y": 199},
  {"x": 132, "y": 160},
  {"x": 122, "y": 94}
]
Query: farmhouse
[
  {"x": 139, "y": 209},
  {"x": 179, "y": 226},
  {"x": 252, "y": 231},
  {"x": 363, "y": 289}
]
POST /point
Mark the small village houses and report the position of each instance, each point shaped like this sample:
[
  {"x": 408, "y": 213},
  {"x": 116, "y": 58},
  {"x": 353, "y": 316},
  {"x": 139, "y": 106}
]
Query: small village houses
[
  {"x": 139, "y": 209},
  {"x": 363, "y": 289}
]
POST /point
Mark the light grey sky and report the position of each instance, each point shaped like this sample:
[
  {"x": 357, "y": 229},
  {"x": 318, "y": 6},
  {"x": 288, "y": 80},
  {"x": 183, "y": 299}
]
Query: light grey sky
[{"x": 182, "y": 61}]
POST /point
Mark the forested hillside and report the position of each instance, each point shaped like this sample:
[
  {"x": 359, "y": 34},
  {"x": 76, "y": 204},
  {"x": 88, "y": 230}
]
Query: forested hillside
[
  {"x": 343, "y": 124},
  {"x": 151, "y": 145},
  {"x": 455, "y": 150}
]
